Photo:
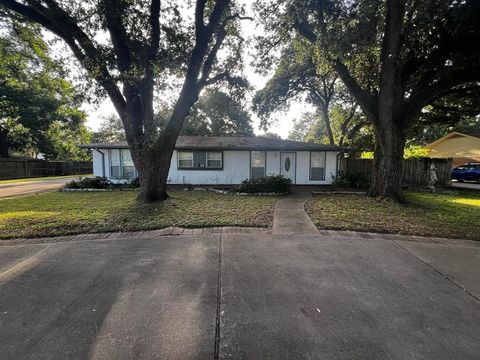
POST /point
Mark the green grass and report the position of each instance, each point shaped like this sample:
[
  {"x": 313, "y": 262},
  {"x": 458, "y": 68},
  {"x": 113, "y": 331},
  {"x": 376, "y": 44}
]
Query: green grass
[
  {"x": 60, "y": 213},
  {"x": 453, "y": 215},
  {"x": 27, "y": 180}
]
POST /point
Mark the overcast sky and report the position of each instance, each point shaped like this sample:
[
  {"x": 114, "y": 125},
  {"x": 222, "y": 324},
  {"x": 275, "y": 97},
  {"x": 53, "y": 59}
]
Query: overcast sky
[{"x": 283, "y": 124}]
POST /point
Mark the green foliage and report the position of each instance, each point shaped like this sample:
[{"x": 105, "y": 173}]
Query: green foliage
[
  {"x": 270, "y": 135},
  {"x": 101, "y": 183},
  {"x": 367, "y": 155},
  {"x": 89, "y": 183},
  {"x": 350, "y": 181},
  {"x": 110, "y": 130},
  {"x": 39, "y": 109},
  {"x": 426, "y": 132},
  {"x": 415, "y": 151},
  {"x": 410, "y": 152},
  {"x": 218, "y": 114},
  {"x": 265, "y": 184}
]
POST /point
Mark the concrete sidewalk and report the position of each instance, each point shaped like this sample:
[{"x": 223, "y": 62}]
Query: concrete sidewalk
[
  {"x": 239, "y": 296},
  {"x": 289, "y": 215}
]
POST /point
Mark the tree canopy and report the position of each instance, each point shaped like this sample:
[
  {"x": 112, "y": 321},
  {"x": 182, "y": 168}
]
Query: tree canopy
[
  {"x": 218, "y": 114},
  {"x": 395, "y": 57},
  {"x": 39, "y": 108},
  {"x": 110, "y": 130}
]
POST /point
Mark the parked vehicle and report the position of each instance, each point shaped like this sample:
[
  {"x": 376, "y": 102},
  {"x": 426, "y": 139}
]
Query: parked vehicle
[{"x": 467, "y": 172}]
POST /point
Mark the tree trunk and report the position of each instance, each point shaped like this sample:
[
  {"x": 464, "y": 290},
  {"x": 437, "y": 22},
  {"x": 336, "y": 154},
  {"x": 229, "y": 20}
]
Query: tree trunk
[
  {"x": 153, "y": 165},
  {"x": 3, "y": 143},
  {"x": 388, "y": 161},
  {"x": 328, "y": 125}
]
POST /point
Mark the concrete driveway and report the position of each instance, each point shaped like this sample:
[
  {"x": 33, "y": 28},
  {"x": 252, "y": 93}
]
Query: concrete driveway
[
  {"x": 466, "y": 185},
  {"x": 239, "y": 296},
  {"x": 27, "y": 188}
]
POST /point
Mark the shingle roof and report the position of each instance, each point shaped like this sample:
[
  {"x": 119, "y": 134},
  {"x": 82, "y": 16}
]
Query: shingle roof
[{"x": 230, "y": 143}]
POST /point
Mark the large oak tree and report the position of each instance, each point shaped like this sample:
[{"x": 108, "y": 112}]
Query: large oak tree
[
  {"x": 395, "y": 57},
  {"x": 137, "y": 49}
]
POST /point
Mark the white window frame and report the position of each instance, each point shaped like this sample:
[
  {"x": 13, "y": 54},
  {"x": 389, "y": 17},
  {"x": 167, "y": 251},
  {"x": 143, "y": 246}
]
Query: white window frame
[
  {"x": 324, "y": 166},
  {"x": 207, "y": 153},
  {"x": 118, "y": 165},
  {"x": 178, "y": 159},
  {"x": 258, "y": 167}
]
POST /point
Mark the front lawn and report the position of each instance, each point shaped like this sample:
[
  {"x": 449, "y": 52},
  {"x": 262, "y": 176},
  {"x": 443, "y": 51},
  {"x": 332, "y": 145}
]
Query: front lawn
[
  {"x": 59, "y": 213},
  {"x": 454, "y": 215}
]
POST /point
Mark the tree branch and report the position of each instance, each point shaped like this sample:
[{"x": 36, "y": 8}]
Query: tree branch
[
  {"x": 191, "y": 86},
  {"x": 118, "y": 34},
  {"x": 61, "y": 24},
  {"x": 366, "y": 101},
  {"x": 421, "y": 97}
]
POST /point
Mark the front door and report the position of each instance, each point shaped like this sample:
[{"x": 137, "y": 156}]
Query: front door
[{"x": 287, "y": 165}]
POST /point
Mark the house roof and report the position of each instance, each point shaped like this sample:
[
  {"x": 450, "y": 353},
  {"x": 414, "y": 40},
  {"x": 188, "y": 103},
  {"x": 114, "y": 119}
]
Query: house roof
[
  {"x": 230, "y": 143},
  {"x": 452, "y": 135}
]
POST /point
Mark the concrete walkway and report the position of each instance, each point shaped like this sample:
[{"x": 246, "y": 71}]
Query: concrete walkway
[{"x": 290, "y": 217}]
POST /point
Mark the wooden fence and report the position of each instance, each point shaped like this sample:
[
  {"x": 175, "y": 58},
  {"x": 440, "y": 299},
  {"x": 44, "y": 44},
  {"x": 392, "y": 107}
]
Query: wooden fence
[
  {"x": 415, "y": 172},
  {"x": 11, "y": 168}
]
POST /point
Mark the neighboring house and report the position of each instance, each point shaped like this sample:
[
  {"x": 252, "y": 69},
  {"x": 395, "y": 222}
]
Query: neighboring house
[
  {"x": 227, "y": 160},
  {"x": 462, "y": 148}
]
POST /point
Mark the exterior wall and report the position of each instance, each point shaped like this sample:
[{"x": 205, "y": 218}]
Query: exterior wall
[
  {"x": 236, "y": 168},
  {"x": 273, "y": 163},
  {"x": 303, "y": 168},
  {"x": 456, "y": 147}
]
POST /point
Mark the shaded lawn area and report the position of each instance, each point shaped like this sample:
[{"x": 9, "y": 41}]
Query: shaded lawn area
[
  {"x": 453, "y": 215},
  {"x": 59, "y": 213}
]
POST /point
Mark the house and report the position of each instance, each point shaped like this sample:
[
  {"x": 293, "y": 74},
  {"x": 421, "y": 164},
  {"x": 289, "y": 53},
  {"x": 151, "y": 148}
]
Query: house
[
  {"x": 462, "y": 148},
  {"x": 227, "y": 160}
]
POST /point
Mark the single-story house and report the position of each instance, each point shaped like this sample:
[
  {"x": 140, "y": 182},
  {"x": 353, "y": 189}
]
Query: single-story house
[
  {"x": 462, "y": 148},
  {"x": 201, "y": 160}
]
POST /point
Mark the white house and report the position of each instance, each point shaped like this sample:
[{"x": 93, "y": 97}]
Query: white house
[{"x": 201, "y": 160}]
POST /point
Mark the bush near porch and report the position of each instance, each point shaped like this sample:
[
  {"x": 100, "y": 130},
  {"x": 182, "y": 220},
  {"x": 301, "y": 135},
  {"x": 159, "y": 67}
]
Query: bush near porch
[
  {"x": 60, "y": 213},
  {"x": 454, "y": 214}
]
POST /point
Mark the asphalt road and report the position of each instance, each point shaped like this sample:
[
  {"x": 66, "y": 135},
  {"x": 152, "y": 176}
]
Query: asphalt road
[
  {"x": 27, "y": 188},
  {"x": 246, "y": 296}
]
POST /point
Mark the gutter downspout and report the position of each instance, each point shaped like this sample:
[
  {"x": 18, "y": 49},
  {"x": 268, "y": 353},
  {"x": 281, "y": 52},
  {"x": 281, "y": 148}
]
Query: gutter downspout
[{"x": 103, "y": 161}]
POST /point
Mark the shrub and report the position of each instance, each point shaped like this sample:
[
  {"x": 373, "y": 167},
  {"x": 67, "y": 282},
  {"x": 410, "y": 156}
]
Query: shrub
[
  {"x": 89, "y": 183},
  {"x": 355, "y": 181},
  {"x": 135, "y": 183},
  {"x": 265, "y": 184}
]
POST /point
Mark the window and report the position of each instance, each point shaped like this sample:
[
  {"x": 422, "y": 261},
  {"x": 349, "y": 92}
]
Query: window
[
  {"x": 317, "y": 165},
  {"x": 128, "y": 169},
  {"x": 214, "y": 159},
  {"x": 200, "y": 160},
  {"x": 114, "y": 163},
  {"x": 257, "y": 164},
  {"x": 121, "y": 164},
  {"x": 185, "y": 159}
]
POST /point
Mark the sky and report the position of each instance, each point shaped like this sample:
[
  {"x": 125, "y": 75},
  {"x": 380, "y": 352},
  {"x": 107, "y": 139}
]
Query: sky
[{"x": 281, "y": 126}]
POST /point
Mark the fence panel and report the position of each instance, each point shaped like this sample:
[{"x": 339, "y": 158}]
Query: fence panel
[
  {"x": 415, "y": 172},
  {"x": 12, "y": 168}
]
